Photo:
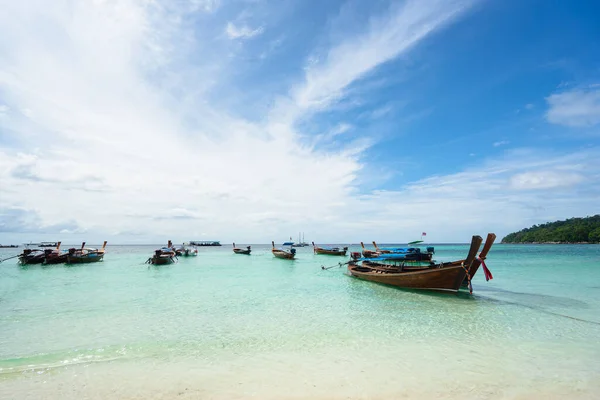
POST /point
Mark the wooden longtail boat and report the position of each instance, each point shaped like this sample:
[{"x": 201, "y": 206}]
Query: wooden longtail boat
[
  {"x": 246, "y": 251},
  {"x": 281, "y": 253},
  {"x": 32, "y": 256},
  {"x": 85, "y": 255},
  {"x": 440, "y": 277},
  {"x": 55, "y": 256},
  {"x": 332, "y": 251},
  {"x": 163, "y": 256},
  {"x": 368, "y": 253}
]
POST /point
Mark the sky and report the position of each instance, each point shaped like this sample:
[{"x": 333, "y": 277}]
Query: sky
[{"x": 139, "y": 121}]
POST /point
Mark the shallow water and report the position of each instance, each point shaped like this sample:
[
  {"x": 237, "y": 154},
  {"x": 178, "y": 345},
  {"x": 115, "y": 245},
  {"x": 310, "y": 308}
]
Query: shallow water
[{"x": 222, "y": 325}]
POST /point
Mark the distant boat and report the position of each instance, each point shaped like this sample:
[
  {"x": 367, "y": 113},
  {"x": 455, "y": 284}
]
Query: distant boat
[
  {"x": 332, "y": 251},
  {"x": 163, "y": 256},
  {"x": 85, "y": 255},
  {"x": 290, "y": 243},
  {"x": 440, "y": 277},
  {"x": 301, "y": 242},
  {"x": 43, "y": 244},
  {"x": 283, "y": 253},
  {"x": 205, "y": 243},
  {"x": 246, "y": 251},
  {"x": 8, "y": 246},
  {"x": 188, "y": 251}
]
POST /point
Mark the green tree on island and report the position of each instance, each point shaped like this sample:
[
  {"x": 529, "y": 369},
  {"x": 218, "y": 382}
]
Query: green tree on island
[{"x": 573, "y": 230}]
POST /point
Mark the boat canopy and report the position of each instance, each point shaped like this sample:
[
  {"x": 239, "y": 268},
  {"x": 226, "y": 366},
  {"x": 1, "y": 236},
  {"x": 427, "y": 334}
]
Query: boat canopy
[{"x": 402, "y": 249}]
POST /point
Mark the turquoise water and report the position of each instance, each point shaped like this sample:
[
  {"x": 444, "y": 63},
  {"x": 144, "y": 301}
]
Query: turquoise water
[{"x": 222, "y": 325}]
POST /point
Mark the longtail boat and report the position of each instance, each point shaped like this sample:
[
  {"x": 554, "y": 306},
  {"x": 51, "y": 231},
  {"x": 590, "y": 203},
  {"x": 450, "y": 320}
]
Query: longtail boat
[
  {"x": 368, "y": 253},
  {"x": 282, "y": 253},
  {"x": 440, "y": 277},
  {"x": 189, "y": 251},
  {"x": 32, "y": 256},
  {"x": 332, "y": 251},
  {"x": 246, "y": 251},
  {"x": 55, "y": 256},
  {"x": 85, "y": 255},
  {"x": 163, "y": 256}
]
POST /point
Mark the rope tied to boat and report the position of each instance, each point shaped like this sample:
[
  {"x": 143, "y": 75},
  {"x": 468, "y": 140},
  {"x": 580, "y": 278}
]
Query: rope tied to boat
[
  {"x": 486, "y": 271},
  {"x": 337, "y": 265},
  {"x": 18, "y": 255},
  {"x": 462, "y": 264}
]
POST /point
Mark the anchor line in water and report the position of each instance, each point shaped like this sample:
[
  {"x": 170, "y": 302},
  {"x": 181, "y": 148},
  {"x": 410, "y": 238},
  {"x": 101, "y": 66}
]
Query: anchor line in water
[
  {"x": 337, "y": 265},
  {"x": 4, "y": 259}
]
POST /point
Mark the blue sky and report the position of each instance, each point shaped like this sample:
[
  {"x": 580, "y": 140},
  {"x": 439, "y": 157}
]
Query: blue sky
[{"x": 251, "y": 120}]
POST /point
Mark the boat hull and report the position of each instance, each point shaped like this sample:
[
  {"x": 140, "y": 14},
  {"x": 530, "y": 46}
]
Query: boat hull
[
  {"x": 242, "y": 251},
  {"x": 330, "y": 252},
  {"x": 84, "y": 259},
  {"x": 447, "y": 278},
  {"x": 39, "y": 259},
  {"x": 60, "y": 259},
  {"x": 283, "y": 254},
  {"x": 162, "y": 260}
]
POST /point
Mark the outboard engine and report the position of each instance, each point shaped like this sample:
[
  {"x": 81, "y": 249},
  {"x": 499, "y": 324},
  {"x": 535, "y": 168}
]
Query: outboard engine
[
  {"x": 293, "y": 251},
  {"x": 72, "y": 250},
  {"x": 355, "y": 255},
  {"x": 431, "y": 250},
  {"x": 346, "y": 248},
  {"x": 157, "y": 252}
]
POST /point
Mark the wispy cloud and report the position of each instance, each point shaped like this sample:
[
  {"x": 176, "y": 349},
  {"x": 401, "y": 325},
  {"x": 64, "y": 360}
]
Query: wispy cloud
[
  {"x": 205, "y": 5},
  {"x": 507, "y": 193},
  {"x": 575, "y": 108},
  {"x": 242, "y": 32},
  {"x": 387, "y": 37},
  {"x": 544, "y": 180},
  {"x": 501, "y": 143}
]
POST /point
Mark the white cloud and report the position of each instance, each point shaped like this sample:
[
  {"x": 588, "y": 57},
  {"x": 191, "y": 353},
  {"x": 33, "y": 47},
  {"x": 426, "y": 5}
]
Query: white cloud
[
  {"x": 501, "y": 143},
  {"x": 575, "y": 108},
  {"x": 380, "y": 112},
  {"x": 544, "y": 180},
  {"x": 204, "y": 5},
  {"x": 243, "y": 32},
  {"x": 402, "y": 28},
  {"x": 483, "y": 198}
]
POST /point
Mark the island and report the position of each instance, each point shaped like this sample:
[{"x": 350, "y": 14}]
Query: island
[{"x": 572, "y": 230}]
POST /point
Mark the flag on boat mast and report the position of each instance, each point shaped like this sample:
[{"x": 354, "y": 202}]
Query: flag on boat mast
[{"x": 423, "y": 234}]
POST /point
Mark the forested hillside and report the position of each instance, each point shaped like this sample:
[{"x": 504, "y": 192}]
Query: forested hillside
[{"x": 573, "y": 230}]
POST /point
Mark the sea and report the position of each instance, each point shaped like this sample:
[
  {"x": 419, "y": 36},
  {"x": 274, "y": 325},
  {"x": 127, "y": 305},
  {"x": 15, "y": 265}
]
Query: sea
[{"x": 227, "y": 326}]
